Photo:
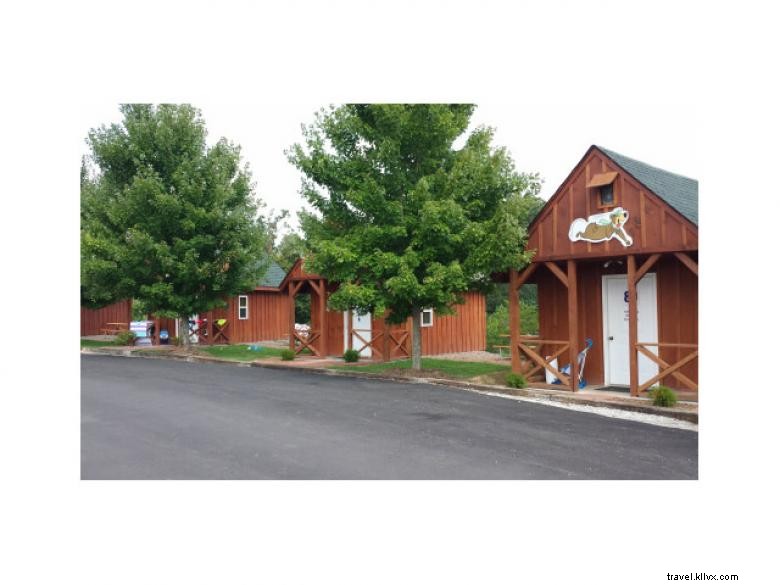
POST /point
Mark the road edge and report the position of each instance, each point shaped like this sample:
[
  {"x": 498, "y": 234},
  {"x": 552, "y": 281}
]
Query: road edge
[{"x": 552, "y": 397}]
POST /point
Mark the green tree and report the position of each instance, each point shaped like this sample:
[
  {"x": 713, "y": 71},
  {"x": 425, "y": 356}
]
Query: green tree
[
  {"x": 272, "y": 223},
  {"x": 168, "y": 220},
  {"x": 498, "y": 322},
  {"x": 403, "y": 219},
  {"x": 291, "y": 247}
]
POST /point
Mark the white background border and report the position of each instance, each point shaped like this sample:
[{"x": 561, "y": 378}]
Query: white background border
[{"x": 711, "y": 58}]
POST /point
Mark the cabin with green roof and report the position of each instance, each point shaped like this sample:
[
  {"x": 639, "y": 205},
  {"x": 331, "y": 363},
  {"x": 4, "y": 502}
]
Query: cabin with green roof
[
  {"x": 616, "y": 263},
  {"x": 267, "y": 313},
  {"x": 258, "y": 314}
]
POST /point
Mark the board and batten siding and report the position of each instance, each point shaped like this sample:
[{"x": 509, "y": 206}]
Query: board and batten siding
[
  {"x": 268, "y": 317},
  {"x": 678, "y": 315},
  {"x": 466, "y": 330},
  {"x": 93, "y": 320},
  {"x": 652, "y": 223}
]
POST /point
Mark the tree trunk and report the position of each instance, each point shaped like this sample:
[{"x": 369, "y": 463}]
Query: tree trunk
[
  {"x": 184, "y": 332},
  {"x": 416, "y": 340}
]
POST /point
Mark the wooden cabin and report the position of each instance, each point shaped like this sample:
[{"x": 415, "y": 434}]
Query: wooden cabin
[
  {"x": 372, "y": 336},
  {"x": 616, "y": 261},
  {"x": 259, "y": 314}
]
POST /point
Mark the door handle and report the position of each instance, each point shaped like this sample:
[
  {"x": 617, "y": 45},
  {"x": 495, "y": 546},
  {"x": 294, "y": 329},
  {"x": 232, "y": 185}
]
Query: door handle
[{"x": 610, "y": 338}]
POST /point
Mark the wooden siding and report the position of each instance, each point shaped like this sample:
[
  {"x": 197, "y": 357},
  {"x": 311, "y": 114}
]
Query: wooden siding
[
  {"x": 93, "y": 320},
  {"x": 554, "y": 316},
  {"x": 652, "y": 223},
  {"x": 268, "y": 317},
  {"x": 678, "y": 315},
  {"x": 466, "y": 330}
]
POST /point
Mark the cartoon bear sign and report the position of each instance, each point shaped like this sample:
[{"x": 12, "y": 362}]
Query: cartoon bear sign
[{"x": 601, "y": 227}]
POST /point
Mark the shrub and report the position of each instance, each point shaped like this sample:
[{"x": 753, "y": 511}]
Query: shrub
[
  {"x": 663, "y": 396},
  {"x": 173, "y": 340},
  {"x": 125, "y": 338},
  {"x": 498, "y": 323},
  {"x": 288, "y": 355},
  {"x": 516, "y": 380},
  {"x": 351, "y": 355}
]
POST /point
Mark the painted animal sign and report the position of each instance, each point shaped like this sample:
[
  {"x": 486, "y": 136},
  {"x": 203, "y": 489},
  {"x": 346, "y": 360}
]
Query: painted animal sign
[{"x": 601, "y": 227}]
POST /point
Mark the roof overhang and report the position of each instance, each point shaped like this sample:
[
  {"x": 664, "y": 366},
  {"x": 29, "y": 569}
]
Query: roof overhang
[{"x": 602, "y": 179}]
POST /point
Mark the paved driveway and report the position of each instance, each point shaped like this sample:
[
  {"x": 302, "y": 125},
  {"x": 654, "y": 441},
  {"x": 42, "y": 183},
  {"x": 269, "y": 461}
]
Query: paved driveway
[{"x": 156, "y": 419}]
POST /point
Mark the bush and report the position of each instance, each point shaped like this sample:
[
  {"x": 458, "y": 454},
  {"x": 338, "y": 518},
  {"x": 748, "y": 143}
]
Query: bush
[
  {"x": 288, "y": 355},
  {"x": 663, "y": 396},
  {"x": 498, "y": 323},
  {"x": 516, "y": 380},
  {"x": 125, "y": 338},
  {"x": 173, "y": 340},
  {"x": 351, "y": 355}
]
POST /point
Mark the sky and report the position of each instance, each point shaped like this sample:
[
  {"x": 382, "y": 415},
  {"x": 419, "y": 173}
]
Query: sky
[{"x": 548, "y": 138}]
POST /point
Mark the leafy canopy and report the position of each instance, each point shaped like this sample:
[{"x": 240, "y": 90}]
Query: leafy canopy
[
  {"x": 401, "y": 217},
  {"x": 167, "y": 220}
]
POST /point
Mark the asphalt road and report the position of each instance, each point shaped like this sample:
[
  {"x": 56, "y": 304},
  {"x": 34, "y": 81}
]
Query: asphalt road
[{"x": 156, "y": 419}]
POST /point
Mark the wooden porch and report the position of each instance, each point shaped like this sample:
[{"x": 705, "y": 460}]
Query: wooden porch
[{"x": 543, "y": 351}]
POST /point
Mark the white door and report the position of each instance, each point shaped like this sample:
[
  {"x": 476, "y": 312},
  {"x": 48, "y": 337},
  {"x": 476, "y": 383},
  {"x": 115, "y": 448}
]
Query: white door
[
  {"x": 615, "y": 309},
  {"x": 363, "y": 325}
]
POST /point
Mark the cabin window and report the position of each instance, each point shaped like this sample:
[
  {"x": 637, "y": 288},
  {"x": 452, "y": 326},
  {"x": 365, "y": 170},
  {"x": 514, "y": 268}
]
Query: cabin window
[
  {"x": 606, "y": 195},
  {"x": 243, "y": 307},
  {"x": 426, "y": 318},
  {"x": 604, "y": 185}
]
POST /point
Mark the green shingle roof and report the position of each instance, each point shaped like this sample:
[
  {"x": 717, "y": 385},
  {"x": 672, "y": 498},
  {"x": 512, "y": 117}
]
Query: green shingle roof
[
  {"x": 273, "y": 276},
  {"x": 680, "y": 192}
]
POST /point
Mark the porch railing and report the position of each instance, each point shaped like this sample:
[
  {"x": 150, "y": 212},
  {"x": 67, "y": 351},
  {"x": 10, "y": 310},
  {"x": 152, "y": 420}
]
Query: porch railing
[
  {"x": 666, "y": 368},
  {"x": 524, "y": 345},
  {"x": 396, "y": 341},
  {"x": 302, "y": 341}
]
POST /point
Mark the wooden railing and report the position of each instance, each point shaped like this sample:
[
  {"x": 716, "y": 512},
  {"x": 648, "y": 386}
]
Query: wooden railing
[
  {"x": 396, "y": 338},
  {"x": 208, "y": 331},
  {"x": 302, "y": 341},
  {"x": 507, "y": 346},
  {"x": 370, "y": 343},
  {"x": 668, "y": 370},
  {"x": 524, "y": 345}
]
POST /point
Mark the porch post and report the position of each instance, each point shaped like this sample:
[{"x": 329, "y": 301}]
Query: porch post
[
  {"x": 323, "y": 316},
  {"x": 633, "y": 363},
  {"x": 385, "y": 338},
  {"x": 349, "y": 329},
  {"x": 291, "y": 296},
  {"x": 574, "y": 335},
  {"x": 514, "y": 321}
]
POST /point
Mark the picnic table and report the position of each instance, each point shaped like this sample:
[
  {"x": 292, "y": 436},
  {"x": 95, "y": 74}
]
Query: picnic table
[{"x": 114, "y": 328}]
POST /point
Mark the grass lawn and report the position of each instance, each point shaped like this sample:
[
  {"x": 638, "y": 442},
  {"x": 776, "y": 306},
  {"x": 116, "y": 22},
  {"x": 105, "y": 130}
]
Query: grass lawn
[
  {"x": 241, "y": 353},
  {"x": 453, "y": 368},
  {"x": 96, "y": 343}
]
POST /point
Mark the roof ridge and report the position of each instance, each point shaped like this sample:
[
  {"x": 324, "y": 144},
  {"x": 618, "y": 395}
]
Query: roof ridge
[{"x": 613, "y": 152}]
